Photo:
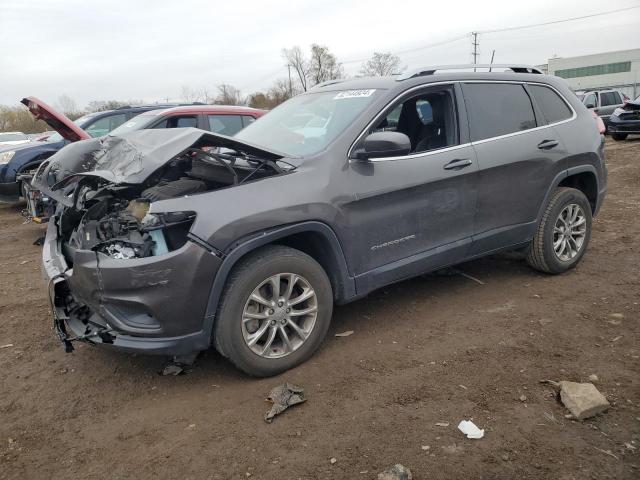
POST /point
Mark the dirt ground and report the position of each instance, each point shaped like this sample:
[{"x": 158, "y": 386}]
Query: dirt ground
[{"x": 431, "y": 350}]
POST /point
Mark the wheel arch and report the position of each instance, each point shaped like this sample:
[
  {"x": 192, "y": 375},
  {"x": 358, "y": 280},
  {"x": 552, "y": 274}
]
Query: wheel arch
[
  {"x": 575, "y": 177},
  {"x": 316, "y": 239},
  {"x": 583, "y": 178}
]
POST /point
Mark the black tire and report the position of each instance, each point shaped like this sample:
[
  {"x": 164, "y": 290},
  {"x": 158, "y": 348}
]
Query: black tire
[
  {"x": 619, "y": 136},
  {"x": 248, "y": 274},
  {"x": 542, "y": 255}
]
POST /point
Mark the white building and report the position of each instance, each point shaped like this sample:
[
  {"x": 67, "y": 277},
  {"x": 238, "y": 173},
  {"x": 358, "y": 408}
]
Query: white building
[{"x": 619, "y": 70}]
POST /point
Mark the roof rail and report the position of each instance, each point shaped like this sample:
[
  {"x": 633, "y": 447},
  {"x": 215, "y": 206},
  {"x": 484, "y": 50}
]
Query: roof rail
[
  {"x": 419, "y": 72},
  {"x": 329, "y": 82}
]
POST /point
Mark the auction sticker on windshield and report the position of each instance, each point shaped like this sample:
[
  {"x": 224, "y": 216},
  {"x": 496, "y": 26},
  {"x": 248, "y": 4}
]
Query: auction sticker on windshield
[{"x": 354, "y": 94}]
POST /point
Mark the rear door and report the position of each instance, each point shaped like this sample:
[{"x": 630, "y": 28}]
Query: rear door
[{"x": 517, "y": 154}]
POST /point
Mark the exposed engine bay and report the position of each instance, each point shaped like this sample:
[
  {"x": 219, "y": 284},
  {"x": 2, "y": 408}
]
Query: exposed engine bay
[{"x": 114, "y": 219}]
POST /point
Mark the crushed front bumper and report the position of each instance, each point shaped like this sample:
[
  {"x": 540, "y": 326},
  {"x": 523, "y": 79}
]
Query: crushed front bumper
[{"x": 152, "y": 305}]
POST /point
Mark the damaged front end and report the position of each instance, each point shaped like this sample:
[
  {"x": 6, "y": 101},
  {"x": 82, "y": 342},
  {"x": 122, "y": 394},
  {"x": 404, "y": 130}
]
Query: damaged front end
[{"x": 118, "y": 274}]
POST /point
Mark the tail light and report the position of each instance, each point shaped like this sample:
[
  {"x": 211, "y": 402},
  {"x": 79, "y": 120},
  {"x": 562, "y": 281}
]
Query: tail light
[{"x": 599, "y": 123}]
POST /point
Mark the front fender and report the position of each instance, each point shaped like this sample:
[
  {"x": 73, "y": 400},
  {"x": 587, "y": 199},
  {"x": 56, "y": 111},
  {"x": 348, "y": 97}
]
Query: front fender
[{"x": 251, "y": 242}]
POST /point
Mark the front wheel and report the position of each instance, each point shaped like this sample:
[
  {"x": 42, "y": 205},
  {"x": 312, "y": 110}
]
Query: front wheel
[
  {"x": 563, "y": 233},
  {"x": 619, "y": 136},
  {"x": 275, "y": 311}
]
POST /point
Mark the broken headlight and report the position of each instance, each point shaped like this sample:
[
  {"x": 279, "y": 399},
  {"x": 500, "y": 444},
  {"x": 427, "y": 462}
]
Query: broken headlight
[{"x": 6, "y": 157}]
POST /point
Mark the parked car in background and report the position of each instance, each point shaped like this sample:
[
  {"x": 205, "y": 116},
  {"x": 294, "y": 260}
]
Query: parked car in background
[
  {"x": 41, "y": 136},
  {"x": 625, "y": 120},
  {"x": 226, "y": 120},
  {"x": 13, "y": 138},
  {"x": 222, "y": 119},
  {"x": 16, "y": 161},
  {"x": 603, "y": 102},
  {"x": 186, "y": 239}
]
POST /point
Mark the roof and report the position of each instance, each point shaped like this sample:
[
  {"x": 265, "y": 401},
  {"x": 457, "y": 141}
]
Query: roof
[{"x": 209, "y": 109}]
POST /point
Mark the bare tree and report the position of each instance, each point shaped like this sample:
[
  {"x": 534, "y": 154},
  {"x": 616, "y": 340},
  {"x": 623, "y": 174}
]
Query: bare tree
[
  {"x": 189, "y": 95},
  {"x": 323, "y": 65},
  {"x": 299, "y": 63},
  {"x": 381, "y": 65},
  {"x": 67, "y": 105},
  {"x": 205, "y": 95},
  {"x": 228, "y": 95}
]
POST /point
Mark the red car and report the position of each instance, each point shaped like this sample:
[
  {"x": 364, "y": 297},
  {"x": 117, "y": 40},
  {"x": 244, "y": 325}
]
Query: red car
[{"x": 222, "y": 119}]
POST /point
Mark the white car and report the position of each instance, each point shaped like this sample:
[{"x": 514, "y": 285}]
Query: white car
[{"x": 13, "y": 138}]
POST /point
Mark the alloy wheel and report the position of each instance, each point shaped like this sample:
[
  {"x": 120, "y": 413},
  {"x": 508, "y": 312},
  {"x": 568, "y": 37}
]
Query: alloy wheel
[
  {"x": 279, "y": 315},
  {"x": 569, "y": 232}
]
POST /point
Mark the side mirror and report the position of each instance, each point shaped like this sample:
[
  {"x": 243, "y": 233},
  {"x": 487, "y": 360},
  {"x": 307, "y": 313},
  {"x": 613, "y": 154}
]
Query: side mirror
[
  {"x": 590, "y": 105},
  {"x": 384, "y": 144}
]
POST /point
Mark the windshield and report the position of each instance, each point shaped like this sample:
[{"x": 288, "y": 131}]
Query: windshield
[
  {"x": 308, "y": 123},
  {"x": 136, "y": 123},
  {"x": 56, "y": 137},
  {"x": 12, "y": 137}
]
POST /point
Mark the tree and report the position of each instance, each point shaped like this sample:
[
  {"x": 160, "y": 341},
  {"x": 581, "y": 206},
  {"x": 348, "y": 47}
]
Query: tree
[
  {"x": 323, "y": 65},
  {"x": 67, "y": 105},
  {"x": 299, "y": 63},
  {"x": 189, "y": 95},
  {"x": 381, "y": 65},
  {"x": 277, "y": 94},
  {"x": 228, "y": 95}
]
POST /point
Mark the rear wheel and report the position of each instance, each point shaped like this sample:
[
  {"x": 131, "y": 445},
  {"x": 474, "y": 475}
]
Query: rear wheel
[
  {"x": 275, "y": 311},
  {"x": 619, "y": 136},
  {"x": 563, "y": 233}
]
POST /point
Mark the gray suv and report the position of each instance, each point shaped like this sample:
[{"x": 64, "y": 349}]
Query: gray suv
[
  {"x": 603, "y": 102},
  {"x": 170, "y": 241}
]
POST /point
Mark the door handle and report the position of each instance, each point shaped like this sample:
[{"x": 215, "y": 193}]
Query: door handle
[
  {"x": 547, "y": 144},
  {"x": 458, "y": 164}
]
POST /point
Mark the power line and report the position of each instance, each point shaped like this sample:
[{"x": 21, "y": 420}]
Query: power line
[
  {"x": 558, "y": 21},
  {"x": 415, "y": 49}
]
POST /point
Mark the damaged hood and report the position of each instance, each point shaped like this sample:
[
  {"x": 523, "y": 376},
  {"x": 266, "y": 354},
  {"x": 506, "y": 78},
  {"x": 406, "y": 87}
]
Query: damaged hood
[
  {"x": 130, "y": 158},
  {"x": 57, "y": 121}
]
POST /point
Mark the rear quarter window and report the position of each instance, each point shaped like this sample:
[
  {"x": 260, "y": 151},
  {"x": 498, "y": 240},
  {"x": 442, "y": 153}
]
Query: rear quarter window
[
  {"x": 553, "y": 107},
  {"x": 496, "y": 109}
]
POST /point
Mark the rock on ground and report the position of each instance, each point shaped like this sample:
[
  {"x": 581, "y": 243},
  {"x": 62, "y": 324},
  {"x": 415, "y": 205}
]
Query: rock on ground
[
  {"x": 582, "y": 399},
  {"x": 397, "y": 472}
]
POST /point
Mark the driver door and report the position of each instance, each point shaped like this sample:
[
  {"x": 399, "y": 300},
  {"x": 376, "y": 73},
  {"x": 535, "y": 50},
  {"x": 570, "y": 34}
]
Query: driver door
[{"x": 413, "y": 213}]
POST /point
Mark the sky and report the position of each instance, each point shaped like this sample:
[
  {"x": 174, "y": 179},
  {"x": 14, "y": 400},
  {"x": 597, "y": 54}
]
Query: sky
[{"x": 149, "y": 49}]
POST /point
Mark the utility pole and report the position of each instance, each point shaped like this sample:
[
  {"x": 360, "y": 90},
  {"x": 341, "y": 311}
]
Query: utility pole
[
  {"x": 475, "y": 48},
  {"x": 290, "y": 87},
  {"x": 493, "y": 54}
]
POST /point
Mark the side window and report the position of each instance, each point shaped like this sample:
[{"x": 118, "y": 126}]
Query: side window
[
  {"x": 225, "y": 124},
  {"x": 247, "y": 120},
  {"x": 178, "y": 122},
  {"x": 428, "y": 119},
  {"x": 104, "y": 125},
  {"x": 496, "y": 109},
  {"x": 608, "y": 98},
  {"x": 552, "y": 105},
  {"x": 590, "y": 101},
  {"x": 184, "y": 122}
]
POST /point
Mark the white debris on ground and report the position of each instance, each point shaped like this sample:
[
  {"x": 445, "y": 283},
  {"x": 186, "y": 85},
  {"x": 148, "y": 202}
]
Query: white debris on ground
[{"x": 470, "y": 429}]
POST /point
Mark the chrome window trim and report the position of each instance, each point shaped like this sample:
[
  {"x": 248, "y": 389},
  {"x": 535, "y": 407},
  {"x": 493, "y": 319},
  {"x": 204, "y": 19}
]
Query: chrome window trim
[
  {"x": 420, "y": 154},
  {"x": 453, "y": 147}
]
